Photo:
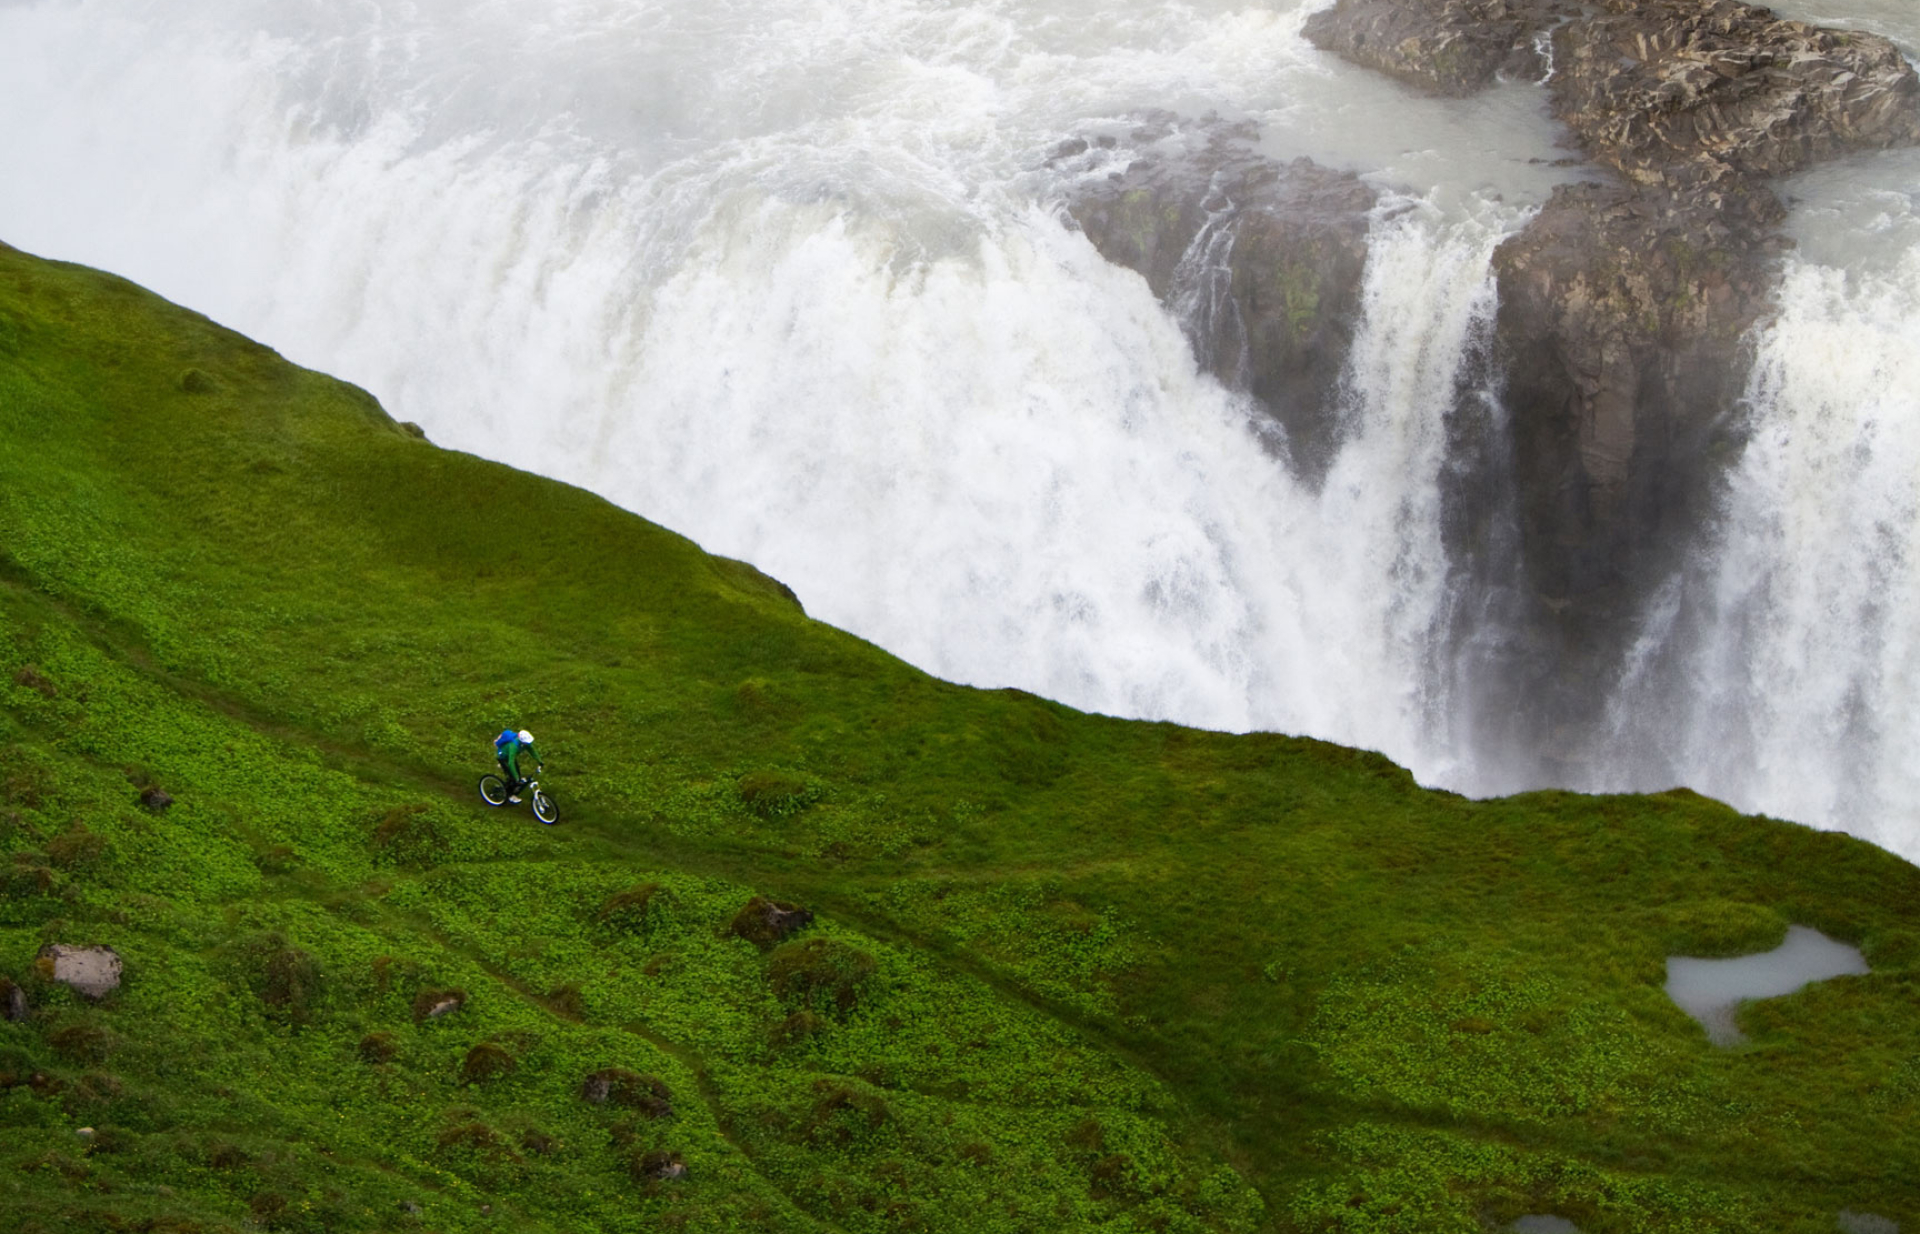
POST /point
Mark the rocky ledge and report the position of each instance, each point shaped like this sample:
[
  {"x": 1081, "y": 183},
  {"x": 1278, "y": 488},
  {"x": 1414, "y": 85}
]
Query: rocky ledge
[
  {"x": 1624, "y": 305},
  {"x": 1453, "y": 47},
  {"x": 1261, "y": 261}
]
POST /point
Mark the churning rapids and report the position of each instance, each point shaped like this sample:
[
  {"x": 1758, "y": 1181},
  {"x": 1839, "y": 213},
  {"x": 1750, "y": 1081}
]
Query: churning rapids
[{"x": 791, "y": 277}]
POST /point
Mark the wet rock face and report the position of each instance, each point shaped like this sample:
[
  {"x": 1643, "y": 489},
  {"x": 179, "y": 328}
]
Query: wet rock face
[
  {"x": 1452, "y": 47},
  {"x": 1622, "y": 321},
  {"x": 1261, "y": 261},
  {"x": 1624, "y": 305}
]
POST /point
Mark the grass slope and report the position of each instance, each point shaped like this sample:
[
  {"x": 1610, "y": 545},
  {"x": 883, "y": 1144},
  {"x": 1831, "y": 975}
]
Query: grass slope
[{"x": 1068, "y": 973}]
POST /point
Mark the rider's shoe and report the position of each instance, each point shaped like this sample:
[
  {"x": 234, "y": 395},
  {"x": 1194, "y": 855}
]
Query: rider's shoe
[{"x": 513, "y": 801}]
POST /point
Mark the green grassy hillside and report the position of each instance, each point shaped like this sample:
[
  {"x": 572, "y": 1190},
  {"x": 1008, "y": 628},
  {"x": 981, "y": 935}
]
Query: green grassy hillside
[{"x": 1067, "y": 973}]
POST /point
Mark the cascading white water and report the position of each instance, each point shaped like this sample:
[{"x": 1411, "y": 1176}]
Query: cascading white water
[
  {"x": 1781, "y": 670},
  {"x": 789, "y": 277}
]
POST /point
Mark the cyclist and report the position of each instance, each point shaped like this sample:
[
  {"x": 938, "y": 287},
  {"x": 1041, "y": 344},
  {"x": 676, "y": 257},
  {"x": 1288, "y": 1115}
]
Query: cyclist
[{"x": 506, "y": 748}]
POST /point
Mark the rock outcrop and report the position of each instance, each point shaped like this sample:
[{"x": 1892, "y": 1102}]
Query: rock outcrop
[
  {"x": 1452, "y": 47},
  {"x": 1625, "y": 304},
  {"x": 764, "y": 922},
  {"x": 1260, "y": 260},
  {"x": 1683, "y": 94},
  {"x": 1622, "y": 325}
]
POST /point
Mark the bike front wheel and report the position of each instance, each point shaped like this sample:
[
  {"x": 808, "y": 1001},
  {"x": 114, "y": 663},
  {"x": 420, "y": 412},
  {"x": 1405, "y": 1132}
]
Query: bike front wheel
[
  {"x": 544, "y": 809},
  {"x": 493, "y": 790}
]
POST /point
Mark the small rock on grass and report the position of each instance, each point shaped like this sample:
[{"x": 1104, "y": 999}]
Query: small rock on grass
[
  {"x": 764, "y": 922},
  {"x": 621, "y": 1087},
  {"x": 659, "y": 1167},
  {"x": 92, "y": 972},
  {"x": 432, "y": 1004}
]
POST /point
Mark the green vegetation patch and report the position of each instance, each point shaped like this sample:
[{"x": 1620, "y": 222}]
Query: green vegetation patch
[{"x": 823, "y": 944}]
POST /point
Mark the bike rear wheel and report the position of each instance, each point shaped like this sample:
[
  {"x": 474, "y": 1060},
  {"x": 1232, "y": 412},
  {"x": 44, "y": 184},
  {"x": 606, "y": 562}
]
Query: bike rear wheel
[
  {"x": 544, "y": 809},
  {"x": 493, "y": 790}
]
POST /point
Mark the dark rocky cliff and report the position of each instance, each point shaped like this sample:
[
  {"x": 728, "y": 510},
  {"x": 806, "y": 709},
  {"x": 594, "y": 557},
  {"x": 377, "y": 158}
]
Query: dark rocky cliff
[
  {"x": 1262, "y": 261},
  {"x": 1626, "y": 305}
]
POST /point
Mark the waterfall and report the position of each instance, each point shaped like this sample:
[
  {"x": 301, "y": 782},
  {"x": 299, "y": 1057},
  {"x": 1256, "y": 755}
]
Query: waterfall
[
  {"x": 792, "y": 278},
  {"x": 1780, "y": 670}
]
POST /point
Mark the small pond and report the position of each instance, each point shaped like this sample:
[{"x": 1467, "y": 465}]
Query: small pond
[{"x": 1711, "y": 990}]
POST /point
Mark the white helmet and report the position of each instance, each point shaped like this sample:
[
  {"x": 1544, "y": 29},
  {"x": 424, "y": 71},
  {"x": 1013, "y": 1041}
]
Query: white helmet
[{"x": 526, "y": 738}]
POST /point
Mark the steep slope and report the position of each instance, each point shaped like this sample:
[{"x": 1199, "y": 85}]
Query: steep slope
[{"x": 1066, "y": 972}]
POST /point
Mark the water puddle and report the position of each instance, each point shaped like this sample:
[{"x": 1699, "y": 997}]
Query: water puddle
[
  {"x": 1867, "y": 1223},
  {"x": 1543, "y": 1223},
  {"x": 1712, "y": 990}
]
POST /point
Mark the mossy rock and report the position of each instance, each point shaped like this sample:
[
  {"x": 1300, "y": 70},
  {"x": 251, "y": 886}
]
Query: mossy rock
[
  {"x": 287, "y": 979},
  {"x": 843, "y": 1113},
  {"x": 432, "y": 1004},
  {"x": 566, "y": 1000},
  {"x": 800, "y": 1026},
  {"x": 764, "y": 922},
  {"x": 410, "y": 836},
  {"x": 820, "y": 973},
  {"x": 27, "y": 878},
  {"x": 84, "y": 1044},
  {"x": 76, "y": 848},
  {"x": 466, "y": 1132},
  {"x": 774, "y": 795},
  {"x": 633, "y": 910},
  {"x": 378, "y": 1047},
  {"x": 618, "y": 1086},
  {"x": 657, "y": 1167},
  {"x": 486, "y": 1063}
]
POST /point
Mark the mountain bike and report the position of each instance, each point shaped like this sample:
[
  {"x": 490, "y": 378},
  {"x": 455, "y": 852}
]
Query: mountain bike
[{"x": 493, "y": 791}]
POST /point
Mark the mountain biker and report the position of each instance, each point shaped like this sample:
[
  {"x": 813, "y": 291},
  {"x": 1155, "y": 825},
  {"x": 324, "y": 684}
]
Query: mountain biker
[{"x": 506, "y": 748}]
